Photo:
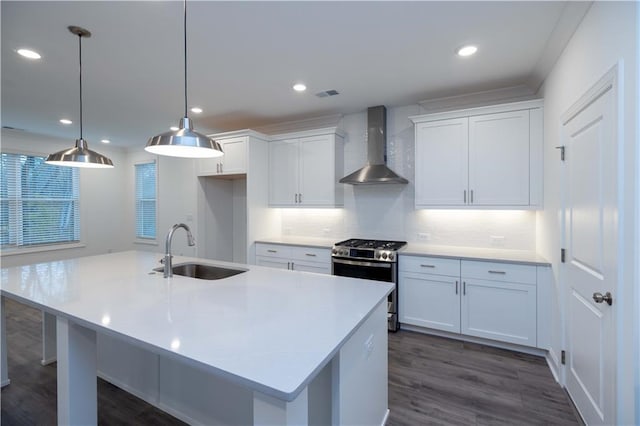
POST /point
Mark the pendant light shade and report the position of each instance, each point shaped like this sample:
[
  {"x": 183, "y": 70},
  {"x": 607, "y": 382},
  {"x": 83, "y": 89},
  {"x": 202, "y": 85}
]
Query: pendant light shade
[
  {"x": 80, "y": 155},
  {"x": 184, "y": 142}
]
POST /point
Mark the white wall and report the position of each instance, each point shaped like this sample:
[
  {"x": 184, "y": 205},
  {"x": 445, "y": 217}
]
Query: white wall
[
  {"x": 101, "y": 199},
  {"x": 387, "y": 211},
  {"x": 608, "y": 35}
]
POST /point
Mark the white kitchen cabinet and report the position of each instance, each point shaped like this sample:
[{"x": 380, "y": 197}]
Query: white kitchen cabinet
[
  {"x": 295, "y": 258},
  {"x": 428, "y": 293},
  {"x": 491, "y": 300},
  {"x": 233, "y": 162},
  {"x": 480, "y": 158},
  {"x": 304, "y": 169}
]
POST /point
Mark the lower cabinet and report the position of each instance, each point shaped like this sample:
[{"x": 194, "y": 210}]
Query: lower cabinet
[
  {"x": 490, "y": 300},
  {"x": 295, "y": 258}
]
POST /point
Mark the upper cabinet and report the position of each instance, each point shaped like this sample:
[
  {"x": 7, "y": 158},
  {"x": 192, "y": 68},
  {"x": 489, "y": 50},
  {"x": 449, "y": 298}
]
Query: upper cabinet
[
  {"x": 234, "y": 160},
  {"x": 304, "y": 169},
  {"x": 487, "y": 157}
]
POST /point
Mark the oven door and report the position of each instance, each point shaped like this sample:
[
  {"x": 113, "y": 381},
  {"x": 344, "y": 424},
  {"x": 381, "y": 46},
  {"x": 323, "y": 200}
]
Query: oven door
[{"x": 371, "y": 270}]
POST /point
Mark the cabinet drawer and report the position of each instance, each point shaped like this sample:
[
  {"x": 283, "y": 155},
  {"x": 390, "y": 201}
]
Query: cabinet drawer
[
  {"x": 499, "y": 272},
  {"x": 311, "y": 254},
  {"x": 430, "y": 265},
  {"x": 273, "y": 250}
]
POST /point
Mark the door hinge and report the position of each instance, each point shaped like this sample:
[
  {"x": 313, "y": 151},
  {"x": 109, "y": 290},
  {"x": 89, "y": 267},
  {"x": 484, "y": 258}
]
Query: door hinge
[
  {"x": 561, "y": 148},
  {"x": 562, "y": 255},
  {"x": 563, "y": 357}
]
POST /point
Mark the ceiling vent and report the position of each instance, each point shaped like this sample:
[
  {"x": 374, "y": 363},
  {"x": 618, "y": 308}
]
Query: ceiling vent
[{"x": 327, "y": 93}]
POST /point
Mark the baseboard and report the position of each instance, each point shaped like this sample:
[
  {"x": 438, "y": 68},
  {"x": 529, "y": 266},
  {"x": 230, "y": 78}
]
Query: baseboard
[
  {"x": 455, "y": 336},
  {"x": 386, "y": 417},
  {"x": 48, "y": 361},
  {"x": 552, "y": 362},
  {"x": 5, "y": 383}
]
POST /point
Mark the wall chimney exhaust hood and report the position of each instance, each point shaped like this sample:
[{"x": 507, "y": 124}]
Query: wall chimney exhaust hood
[{"x": 376, "y": 170}]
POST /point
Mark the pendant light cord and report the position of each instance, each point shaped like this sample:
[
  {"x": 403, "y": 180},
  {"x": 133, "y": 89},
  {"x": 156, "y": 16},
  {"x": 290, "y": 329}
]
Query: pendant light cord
[
  {"x": 185, "y": 58},
  {"x": 80, "y": 56}
]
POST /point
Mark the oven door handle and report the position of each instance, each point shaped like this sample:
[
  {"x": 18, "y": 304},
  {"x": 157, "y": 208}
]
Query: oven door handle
[{"x": 360, "y": 263}]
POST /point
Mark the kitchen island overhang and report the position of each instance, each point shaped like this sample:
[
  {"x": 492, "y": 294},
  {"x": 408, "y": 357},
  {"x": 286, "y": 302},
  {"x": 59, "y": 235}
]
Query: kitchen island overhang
[{"x": 266, "y": 330}]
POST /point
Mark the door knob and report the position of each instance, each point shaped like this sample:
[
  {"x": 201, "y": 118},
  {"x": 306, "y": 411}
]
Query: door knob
[{"x": 599, "y": 298}]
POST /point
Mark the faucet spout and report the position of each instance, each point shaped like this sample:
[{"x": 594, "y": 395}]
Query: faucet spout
[{"x": 168, "y": 267}]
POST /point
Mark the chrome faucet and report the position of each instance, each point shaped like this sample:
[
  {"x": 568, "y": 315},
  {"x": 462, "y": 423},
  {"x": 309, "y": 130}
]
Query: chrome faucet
[{"x": 168, "y": 267}]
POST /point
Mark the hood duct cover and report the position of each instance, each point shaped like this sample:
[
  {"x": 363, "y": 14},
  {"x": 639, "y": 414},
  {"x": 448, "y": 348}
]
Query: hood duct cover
[{"x": 376, "y": 170}]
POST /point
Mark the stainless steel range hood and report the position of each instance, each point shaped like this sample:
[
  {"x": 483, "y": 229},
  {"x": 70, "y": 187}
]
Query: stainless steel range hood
[{"x": 376, "y": 170}]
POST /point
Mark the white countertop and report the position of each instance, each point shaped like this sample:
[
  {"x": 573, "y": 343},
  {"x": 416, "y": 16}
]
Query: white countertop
[
  {"x": 416, "y": 249},
  {"x": 475, "y": 253},
  {"x": 300, "y": 241},
  {"x": 267, "y": 329}
]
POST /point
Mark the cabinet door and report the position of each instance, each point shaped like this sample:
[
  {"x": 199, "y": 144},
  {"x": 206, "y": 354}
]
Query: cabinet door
[
  {"x": 209, "y": 166},
  {"x": 273, "y": 262},
  {"x": 499, "y": 159},
  {"x": 234, "y": 160},
  {"x": 441, "y": 163},
  {"x": 317, "y": 171},
  {"x": 429, "y": 301},
  {"x": 502, "y": 311},
  {"x": 283, "y": 172}
]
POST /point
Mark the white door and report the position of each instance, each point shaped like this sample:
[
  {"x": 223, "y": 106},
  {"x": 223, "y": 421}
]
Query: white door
[
  {"x": 590, "y": 216},
  {"x": 442, "y": 163},
  {"x": 499, "y": 159}
]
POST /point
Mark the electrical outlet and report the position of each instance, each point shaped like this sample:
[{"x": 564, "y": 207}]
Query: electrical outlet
[
  {"x": 424, "y": 236},
  {"x": 368, "y": 346},
  {"x": 497, "y": 241}
]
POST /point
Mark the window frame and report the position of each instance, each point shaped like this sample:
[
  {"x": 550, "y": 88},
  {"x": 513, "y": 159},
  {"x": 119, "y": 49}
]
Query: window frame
[
  {"x": 44, "y": 247},
  {"x": 139, "y": 239}
]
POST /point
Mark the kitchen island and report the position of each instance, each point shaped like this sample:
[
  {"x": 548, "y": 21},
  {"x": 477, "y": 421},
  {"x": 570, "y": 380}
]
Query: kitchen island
[{"x": 263, "y": 347}]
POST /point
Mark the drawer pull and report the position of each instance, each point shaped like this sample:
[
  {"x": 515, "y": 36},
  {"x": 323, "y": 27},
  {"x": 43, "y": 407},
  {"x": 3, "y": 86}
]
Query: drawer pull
[
  {"x": 428, "y": 266},
  {"x": 456, "y": 287},
  {"x": 498, "y": 272},
  {"x": 310, "y": 254},
  {"x": 272, "y": 251}
]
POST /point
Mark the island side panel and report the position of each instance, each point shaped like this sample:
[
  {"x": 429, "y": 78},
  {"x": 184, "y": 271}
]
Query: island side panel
[
  {"x": 360, "y": 382},
  {"x": 48, "y": 338},
  {"x": 4, "y": 373}
]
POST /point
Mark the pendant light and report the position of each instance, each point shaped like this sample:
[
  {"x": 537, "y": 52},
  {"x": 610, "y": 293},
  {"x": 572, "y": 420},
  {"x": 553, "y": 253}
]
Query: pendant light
[
  {"x": 184, "y": 142},
  {"x": 80, "y": 155}
]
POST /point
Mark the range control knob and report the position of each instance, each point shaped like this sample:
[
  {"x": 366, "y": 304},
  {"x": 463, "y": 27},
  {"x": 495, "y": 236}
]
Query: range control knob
[
  {"x": 391, "y": 256},
  {"x": 377, "y": 255},
  {"x": 334, "y": 251},
  {"x": 384, "y": 255}
]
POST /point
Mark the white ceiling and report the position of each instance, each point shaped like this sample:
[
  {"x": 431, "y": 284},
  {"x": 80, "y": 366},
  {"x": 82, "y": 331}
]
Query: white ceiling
[{"x": 245, "y": 56}]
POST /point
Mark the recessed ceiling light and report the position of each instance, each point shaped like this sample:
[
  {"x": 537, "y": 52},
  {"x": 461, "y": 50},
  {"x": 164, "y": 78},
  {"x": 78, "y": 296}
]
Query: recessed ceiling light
[
  {"x": 197, "y": 110},
  {"x": 173, "y": 128},
  {"x": 467, "y": 50},
  {"x": 65, "y": 121},
  {"x": 299, "y": 87},
  {"x": 28, "y": 53},
  {"x": 105, "y": 141}
]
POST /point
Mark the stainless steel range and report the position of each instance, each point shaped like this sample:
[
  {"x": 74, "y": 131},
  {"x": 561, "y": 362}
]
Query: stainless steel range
[{"x": 373, "y": 260}]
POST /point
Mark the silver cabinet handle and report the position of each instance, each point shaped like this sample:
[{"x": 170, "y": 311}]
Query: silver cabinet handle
[
  {"x": 465, "y": 196},
  {"x": 310, "y": 254},
  {"x": 456, "y": 287},
  {"x": 292, "y": 267},
  {"x": 217, "y": 167},
  {"x": 272, "y": 251},
  {"x": 300, "y": 198},
  {"x": 221, "y": 169},
  {"x": 599, "y": 298},
  {"x": 427, "y": 266},
  {"x": 471, "y": 196},
  {"x": 296, "y": 198},
  {"x": 464, "y": 288},
  {"x": 498, "y": 272}
]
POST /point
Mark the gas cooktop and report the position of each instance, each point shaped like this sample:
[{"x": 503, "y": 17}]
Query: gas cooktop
[{"x": 368, "y": 249}]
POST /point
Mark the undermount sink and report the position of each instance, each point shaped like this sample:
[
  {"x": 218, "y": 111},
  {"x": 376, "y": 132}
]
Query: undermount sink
[{"x": 202, "y": 271}]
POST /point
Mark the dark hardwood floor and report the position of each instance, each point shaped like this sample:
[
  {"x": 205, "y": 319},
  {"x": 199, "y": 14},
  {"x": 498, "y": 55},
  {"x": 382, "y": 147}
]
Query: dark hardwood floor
[{"x": 432, "y": 380}]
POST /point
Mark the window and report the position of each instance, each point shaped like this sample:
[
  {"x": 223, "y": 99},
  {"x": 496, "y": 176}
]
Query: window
[
  {"x": 146, "y": 200},
  {"x": 39, "y": 202}
]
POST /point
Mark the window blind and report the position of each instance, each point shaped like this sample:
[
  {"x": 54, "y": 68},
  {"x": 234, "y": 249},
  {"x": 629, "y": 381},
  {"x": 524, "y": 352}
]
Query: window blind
[
  {"x": 146, "y": 200},
  {"x": 39, "y": 202}
]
